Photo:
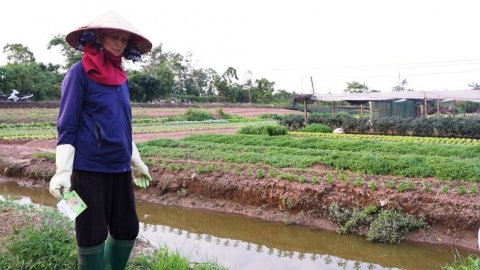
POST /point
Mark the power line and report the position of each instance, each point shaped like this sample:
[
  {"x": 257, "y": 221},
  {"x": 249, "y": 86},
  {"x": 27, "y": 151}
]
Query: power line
[
  {"x": 394, "y": 76},
  {"x": 393, "y": 66}
]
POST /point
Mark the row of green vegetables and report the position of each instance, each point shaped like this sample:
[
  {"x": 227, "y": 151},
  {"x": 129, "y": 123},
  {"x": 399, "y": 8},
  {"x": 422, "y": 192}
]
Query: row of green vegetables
[
  {"x": 48, "y": 130},
  {"x": 387, "y": 138},
  {"x": 445, "y": 162}
]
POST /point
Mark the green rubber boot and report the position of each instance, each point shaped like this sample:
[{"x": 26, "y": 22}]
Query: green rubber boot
[
  {"x": 117, "y": 253},
  {"x": 91, "y": 258}
]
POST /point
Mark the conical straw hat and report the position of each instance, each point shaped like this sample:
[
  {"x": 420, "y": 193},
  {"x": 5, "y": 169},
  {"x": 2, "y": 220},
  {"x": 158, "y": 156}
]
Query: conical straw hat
[{"x": 112, "y": 20}]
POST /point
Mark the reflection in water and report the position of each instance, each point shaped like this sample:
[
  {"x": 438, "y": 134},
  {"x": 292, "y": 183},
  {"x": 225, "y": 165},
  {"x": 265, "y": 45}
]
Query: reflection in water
[
  {"x": 245, "y": 243},
  {"x": 237, "y": 254}
]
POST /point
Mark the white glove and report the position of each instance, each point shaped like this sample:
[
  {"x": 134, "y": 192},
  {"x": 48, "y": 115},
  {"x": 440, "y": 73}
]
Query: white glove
[
  {"x": 60, "y": 182},
  {"x": 140, "y": 174}
]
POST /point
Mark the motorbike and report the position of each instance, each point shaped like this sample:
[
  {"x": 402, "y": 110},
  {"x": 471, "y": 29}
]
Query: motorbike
[{"x": 15, "y": 96}]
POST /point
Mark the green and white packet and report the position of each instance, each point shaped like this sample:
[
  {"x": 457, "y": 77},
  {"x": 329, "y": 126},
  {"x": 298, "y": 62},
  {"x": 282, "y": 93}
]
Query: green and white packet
[{"x": 71, "y": 205}]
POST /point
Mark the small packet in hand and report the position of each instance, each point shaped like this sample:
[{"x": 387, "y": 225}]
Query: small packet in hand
[{"x": 71, "y": 205}]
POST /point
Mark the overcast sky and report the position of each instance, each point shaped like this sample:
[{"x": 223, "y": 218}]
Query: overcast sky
[{"x": 434, "y": 44}]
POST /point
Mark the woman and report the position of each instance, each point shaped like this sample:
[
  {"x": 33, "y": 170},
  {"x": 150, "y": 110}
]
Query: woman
[{"x": 95, "y": 154}]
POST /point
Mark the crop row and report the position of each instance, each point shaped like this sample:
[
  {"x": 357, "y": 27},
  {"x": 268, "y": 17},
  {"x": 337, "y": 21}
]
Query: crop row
[
  {"x": 233, "y": 150},
  {"x": 48, "y": 130},
  {"x": 305, "y": 145},
  {"x": 387, "y": 138},
  {"x": 306, "y": 176}
]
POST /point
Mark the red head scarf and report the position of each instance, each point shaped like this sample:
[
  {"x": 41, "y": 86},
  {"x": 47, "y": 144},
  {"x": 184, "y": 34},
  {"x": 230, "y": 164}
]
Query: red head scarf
[{"x": 102, "y": 66}]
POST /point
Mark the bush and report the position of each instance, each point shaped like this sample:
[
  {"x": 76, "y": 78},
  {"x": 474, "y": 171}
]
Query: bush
[
  {"x": 223, "y": 114},
  {"x": 271, "y": 130},
  {"x": 197, "y": 115},
  {"x": 319, "y": 128},
  {"x": 388, "y": 226},
  {"x": 293, "y": 121}
]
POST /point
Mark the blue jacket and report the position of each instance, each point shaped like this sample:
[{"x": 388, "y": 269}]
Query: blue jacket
[{"x": 96, "y": 119}]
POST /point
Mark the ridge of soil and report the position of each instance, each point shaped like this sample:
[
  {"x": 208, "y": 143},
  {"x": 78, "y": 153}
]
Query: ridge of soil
[{"x": 454, "y": 219}]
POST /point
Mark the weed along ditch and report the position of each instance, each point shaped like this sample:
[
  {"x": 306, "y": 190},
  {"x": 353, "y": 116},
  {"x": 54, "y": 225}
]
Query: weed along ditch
[{"x": 240, "y": 242}]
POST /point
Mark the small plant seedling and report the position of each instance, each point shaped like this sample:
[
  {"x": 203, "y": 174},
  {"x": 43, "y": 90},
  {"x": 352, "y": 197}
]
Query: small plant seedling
[
  {"x": 461, "y": 190},
  {"x": 358, "y": 182},
  {"x": 427, "y": 187},
  {"x": 391, "y": 184},
  {"x": 330, "y": 179},
  {"x": 344, "y": 178},
  {"x": 288, "y": 203},
  {"x": 287, "y": 176},
  {"x": 249, "y": 171},
  {"x": 272, "y": 173},
  {"x": 406, "y": 185},
  {"x": 445, "y": 189},
  {"x": 260, "y": 174},
  {"x": 302, "y": 179},
  {"x": 474, "y": 189},
  {"x": 372, "y": 185},
  {"x": 315, "y": 180}
]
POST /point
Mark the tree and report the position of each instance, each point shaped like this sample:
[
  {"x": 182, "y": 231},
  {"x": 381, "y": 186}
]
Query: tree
[
  {"x": 152, "y": 59},
  {"x": 44, "y": 81},
  {"x": 71, "y": 54},
  {"x": 17, "y": 53},
  {"x": 356, "y": 87},
  {"x": 144, "y": 87},
  {"x": 165, "y": 75},
  {"x": 262, "y": 92},
  {"x": 474, "y": 86},
  {"x": 283, "y": 96},
  {"x": 401, "y": 87},
  {"x": 248, "y": 84},
  {"x": 205, "y": 80},
  {"x": 225, "y": 86}
]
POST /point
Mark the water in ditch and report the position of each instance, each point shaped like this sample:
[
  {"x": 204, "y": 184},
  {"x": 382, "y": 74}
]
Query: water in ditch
[{"x": 238, "y": 242}]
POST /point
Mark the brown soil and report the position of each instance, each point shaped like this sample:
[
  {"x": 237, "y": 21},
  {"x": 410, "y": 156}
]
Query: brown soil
[{"x": 454, "y": 219}]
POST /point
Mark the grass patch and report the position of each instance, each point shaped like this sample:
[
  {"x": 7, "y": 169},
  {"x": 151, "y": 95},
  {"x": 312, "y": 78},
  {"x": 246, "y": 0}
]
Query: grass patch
[
  {"x": 472, "y": 262},
  {"x": 164, "y": 258},
  {"x": 44, "y": 155},
  {"x": 47, "y": 241}
]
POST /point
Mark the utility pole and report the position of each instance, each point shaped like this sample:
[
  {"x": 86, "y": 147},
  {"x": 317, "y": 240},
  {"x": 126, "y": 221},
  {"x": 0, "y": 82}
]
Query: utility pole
[{"x": 313, "y": 88}]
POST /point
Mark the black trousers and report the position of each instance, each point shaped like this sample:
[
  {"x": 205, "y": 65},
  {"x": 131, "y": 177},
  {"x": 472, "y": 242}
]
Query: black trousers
[{"x": 110, "y": 207}]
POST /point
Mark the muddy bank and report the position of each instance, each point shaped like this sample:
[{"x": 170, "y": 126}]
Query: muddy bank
[{"x": 454, "y": 219}]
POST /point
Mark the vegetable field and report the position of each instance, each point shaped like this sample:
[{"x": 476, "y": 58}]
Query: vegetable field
[{"x": 298, "y": 178}]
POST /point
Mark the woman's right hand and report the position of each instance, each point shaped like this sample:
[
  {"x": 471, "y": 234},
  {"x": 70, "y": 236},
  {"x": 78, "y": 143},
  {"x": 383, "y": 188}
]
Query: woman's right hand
[{"x": 60, "y": 182}]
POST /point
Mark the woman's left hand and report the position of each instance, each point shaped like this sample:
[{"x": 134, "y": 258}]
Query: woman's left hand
[{"x": 140, "y": 174}]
